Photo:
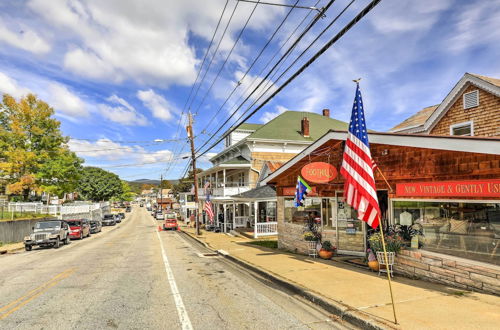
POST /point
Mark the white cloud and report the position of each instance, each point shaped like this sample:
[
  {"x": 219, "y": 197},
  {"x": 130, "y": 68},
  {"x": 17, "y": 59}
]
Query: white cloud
[
  {"x": 24, "y": 39},
  {"x": 270, "y": 115},
  {"x": 107, "y": 150},
  {"x": 11, "y": 86},
  {"x": 123, "y": 113},
  {"x": 159, "y": 107},
  {"x": 146, "y": 41},
  {"x": 66, "y": 102}
]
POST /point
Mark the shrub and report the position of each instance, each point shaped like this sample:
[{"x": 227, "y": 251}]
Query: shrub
[{"x": 327, "y": 246}]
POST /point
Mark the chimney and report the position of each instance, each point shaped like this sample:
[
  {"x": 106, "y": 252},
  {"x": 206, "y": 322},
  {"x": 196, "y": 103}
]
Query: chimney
[
  {"x": 305, "y": 127},
  {"x": 326, "y": 113}
]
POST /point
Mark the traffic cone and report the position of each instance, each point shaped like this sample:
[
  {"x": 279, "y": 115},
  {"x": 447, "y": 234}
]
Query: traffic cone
[{"x": 159, "y": 228}]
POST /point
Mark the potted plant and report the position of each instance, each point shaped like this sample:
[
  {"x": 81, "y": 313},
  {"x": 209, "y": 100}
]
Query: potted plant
[
  {"x": 327, "y": 250},
  {"x": 372, "y": 261},
  {"x": 309, "y": 236}
]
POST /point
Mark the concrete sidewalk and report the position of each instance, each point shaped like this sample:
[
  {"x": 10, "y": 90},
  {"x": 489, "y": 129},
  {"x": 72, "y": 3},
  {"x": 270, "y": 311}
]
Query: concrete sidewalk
[{"x": 419, "y": 304}]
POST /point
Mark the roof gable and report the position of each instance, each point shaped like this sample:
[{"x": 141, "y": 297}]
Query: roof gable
[{"x": 426, "y": 119}]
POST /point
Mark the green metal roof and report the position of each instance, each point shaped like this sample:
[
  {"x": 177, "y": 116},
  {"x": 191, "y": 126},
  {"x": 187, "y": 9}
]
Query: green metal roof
[
  {"x": 249, "y": 126},
  {"x": 287, "y": 126},
  {"x": 236, "y": 161}
]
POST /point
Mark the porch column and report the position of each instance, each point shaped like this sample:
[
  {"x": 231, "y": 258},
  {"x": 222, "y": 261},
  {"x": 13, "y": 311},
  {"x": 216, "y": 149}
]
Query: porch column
[
  {"x": 224, "y": 182},
  {"x": 216, "y": 179},
  {"x": 225, "y": 216},
  {"x": 255, "y": 214},
  {"x": 234, "y": 215}
]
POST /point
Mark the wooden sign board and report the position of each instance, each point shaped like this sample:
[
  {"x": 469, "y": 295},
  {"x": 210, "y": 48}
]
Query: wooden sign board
[
  {"x": 470, "y": 188},
  {"x": 319, "y": 172}
]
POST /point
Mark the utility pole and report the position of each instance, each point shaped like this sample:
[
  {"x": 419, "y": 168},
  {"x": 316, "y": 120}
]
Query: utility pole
[
  {"x": 189, "y": 130},
  {"x": 161, "y": 193}
]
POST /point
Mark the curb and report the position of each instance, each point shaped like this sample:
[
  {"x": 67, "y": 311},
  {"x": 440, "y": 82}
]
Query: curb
[{"x": 345, "y": 312}]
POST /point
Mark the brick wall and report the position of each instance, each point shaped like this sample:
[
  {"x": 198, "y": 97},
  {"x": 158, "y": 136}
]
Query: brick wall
[
  {"x": 486, "y": 116},
  {"x": 457, "y": 272}
]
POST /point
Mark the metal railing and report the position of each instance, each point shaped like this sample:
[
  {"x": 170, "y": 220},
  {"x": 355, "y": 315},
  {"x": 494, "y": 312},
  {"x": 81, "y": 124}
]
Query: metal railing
[{"x": 265, "y": 229}]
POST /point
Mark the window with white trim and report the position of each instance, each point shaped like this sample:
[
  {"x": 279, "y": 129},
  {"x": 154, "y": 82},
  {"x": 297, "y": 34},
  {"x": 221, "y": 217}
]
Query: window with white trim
[
  {"x": 462, "y": 129},
  {"x": 471, "y": 99}
]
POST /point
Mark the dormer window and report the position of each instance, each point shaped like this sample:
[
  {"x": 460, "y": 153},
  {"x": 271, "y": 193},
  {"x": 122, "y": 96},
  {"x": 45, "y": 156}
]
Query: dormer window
[
  {"x": 462, "y": 129},
  {"x": 471, "y": 99}
]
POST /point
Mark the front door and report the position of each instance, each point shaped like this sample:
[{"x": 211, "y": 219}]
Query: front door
[{"x": 350, "y": 230}]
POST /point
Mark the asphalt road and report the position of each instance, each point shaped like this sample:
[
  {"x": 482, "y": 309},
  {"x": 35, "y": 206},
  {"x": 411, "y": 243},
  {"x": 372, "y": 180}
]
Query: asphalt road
[{"x": 133, "y": 277}]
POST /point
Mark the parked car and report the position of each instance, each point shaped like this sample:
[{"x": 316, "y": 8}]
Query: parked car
[
  {"x": 170, "y": 221},
  {"x": 108, "y": 220},
  {"x": 95, "y": 226},
  {"x": 159, "y": 215},
  {"x": 128, "y": 209},
  {"x": 122, "y": 215},
  {"x": 118, "y": 218},
  {"x": 80, "y": 228},
  {"x": 47, "y": 233},
  {"x": 141, "y": 205}
]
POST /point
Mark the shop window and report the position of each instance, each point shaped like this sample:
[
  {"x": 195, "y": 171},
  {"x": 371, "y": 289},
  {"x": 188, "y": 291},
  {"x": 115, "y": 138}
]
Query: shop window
[
  {"x": 267, "y": 212},
  {"x": 301, "y": 215},
  {"x": 463, "y": 229}
]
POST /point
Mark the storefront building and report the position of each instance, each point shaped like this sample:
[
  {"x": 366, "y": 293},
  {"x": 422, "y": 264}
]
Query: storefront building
[{"x": 447, "y": 185}]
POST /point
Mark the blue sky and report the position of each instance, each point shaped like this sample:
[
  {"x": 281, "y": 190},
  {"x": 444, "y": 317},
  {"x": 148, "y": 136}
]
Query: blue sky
[{"x": 118, "y": 72}]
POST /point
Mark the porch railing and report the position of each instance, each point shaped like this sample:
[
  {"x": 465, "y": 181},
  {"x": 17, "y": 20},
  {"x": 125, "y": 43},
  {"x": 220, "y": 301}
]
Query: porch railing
[
  {"x": 265, "y": 229},
  {"x": 240, "y": 222}
]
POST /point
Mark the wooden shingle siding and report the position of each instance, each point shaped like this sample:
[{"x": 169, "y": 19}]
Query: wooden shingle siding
[{"x": 486, "y": 116}]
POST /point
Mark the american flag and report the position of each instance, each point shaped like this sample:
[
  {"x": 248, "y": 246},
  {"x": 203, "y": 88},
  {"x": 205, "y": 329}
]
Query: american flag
[
  {"x": 208, "y": 209},
  {"x": 357, "y": 167}
]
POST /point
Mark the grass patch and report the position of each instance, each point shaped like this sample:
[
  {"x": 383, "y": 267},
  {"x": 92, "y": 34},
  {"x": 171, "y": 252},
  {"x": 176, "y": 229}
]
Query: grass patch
[
  {"x": 7, "y": 216},
  {"x": 268, "y": 244}
]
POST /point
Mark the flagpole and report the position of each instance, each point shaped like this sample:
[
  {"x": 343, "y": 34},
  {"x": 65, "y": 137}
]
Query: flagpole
[
  {"x": 387, "y": 270},
  {"x": 383, "y": 177}
]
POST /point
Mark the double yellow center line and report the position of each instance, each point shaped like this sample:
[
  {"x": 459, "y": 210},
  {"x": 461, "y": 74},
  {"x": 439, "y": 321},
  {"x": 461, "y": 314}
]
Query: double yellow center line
[{"x": 15, "y": 305}]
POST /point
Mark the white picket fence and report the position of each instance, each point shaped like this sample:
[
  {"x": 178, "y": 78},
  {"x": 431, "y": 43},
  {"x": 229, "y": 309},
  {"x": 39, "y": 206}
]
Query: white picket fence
[
  {"x": 55, "y": 210},
  {"x": 265, "y": 229}
]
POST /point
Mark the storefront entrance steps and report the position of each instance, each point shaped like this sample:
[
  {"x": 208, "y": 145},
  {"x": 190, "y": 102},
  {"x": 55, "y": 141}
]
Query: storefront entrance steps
[{"x": 419, "y": 304}]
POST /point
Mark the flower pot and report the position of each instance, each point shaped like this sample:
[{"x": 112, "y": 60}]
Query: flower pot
[
  {"x": 324, "y": 254},
  {"x": 374, "y": 265}
]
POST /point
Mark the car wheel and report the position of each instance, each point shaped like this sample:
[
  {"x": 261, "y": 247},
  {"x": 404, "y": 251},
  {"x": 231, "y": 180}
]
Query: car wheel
[
  {"x": 88, "y": 235},
  {"x": 28, "y": 247},
  {"x": 57, "y": 243},
  {"x": 81, "y": 235}
]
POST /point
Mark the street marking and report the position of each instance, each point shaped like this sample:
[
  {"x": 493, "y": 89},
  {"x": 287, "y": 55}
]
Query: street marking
[
  {"x": 181, "y": 309},
  {"x": 20, "y": 302}
]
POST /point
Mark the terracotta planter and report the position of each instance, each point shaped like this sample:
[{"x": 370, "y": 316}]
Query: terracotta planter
[
  {"x": 323, "y": 254},
  {"x": 374, "y": 265}
]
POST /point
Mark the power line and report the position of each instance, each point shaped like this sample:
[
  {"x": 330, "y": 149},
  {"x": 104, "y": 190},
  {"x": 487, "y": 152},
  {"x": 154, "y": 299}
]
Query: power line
[
  {"x": 332, "y": 41},
  {"x": 282, "y": 5},
  {"x": 289, "y": 67},
  {"x": 251, "y": 66},
  {"x": 227, "y": 58},
  {"x": 299, "y": 38}
]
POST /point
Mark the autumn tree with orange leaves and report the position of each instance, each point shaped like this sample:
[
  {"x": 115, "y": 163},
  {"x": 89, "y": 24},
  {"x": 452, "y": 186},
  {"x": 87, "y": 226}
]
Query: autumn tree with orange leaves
[{"x": 34, "y": 155}]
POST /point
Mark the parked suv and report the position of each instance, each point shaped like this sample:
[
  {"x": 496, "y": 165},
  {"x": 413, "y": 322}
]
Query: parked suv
[
  {"x": 47, "y": 233},
  {"x": 118, "y": 218},
  {"x": 159, "y": 215},
  {"x": 108, "y": 220},
  {"x": 80, "y": 228},
  {"x": 95, "y": 226}
]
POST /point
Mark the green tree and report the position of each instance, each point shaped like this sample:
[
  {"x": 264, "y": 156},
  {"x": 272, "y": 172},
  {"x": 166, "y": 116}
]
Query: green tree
[
  {"x": 99, "y": 185},
  {"x": 34, "y": 155},
  {"x": 186, "y": 183},
  {"x": 127, "y": 193}
]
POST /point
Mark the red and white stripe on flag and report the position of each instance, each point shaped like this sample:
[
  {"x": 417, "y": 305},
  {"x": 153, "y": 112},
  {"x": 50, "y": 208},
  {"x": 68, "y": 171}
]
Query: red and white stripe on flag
[
  {"x": 208, "y": 209},
  {"x": 358, "y": 166},
  {"x": 359, "y": 188}
]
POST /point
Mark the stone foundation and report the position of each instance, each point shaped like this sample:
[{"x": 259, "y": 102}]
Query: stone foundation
[{"x": 449, "y": 270}]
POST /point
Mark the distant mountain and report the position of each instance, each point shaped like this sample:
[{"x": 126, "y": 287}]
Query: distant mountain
[
  {"x": 154, "y": 182},
  {"x": 146, "y": 181}
]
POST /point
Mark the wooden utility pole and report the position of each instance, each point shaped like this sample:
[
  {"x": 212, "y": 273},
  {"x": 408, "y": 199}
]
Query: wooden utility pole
[
  {"x": 161, "y": 194},
  {"x": 189, "y": 130}
]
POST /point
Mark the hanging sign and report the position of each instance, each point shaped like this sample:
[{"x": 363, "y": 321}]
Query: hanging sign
[
  {"x": 319, "y": 172},
  {"x": 470, "y": 188}
]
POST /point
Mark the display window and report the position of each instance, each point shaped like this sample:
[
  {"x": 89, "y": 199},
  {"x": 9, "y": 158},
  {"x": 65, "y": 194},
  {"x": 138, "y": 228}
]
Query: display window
[
  {"x": 301, "y": 215},
  {"x": 467, "y": 229}
]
